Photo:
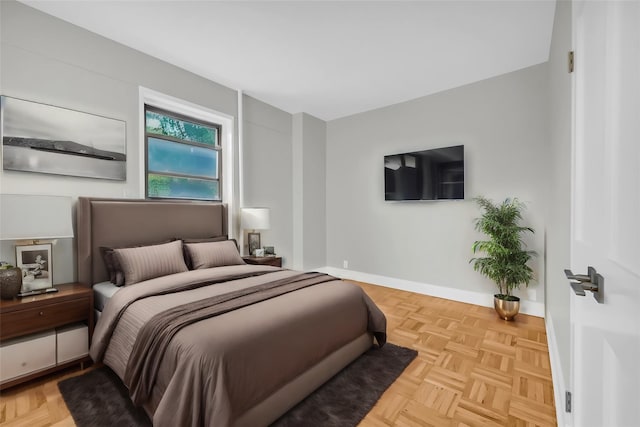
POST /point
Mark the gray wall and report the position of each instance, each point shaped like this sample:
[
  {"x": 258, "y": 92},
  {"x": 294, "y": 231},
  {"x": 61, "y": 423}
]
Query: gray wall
[
  {"x": 298, "y": 187},
  {"x": 502, "y": 122},
  {"x": 48, "y": 60},
  {"x": 284, "y": 170},
  {"x": 309, "y": 191},
  {"x": 291, "y": 161},
  {"x": 267, "y": 171},
  {"x": 559, "y": 213}
]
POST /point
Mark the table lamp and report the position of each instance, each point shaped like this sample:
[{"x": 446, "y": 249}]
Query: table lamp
[
  {"x": 254, "y": 219},
  {"x": 35, "y": 218}
]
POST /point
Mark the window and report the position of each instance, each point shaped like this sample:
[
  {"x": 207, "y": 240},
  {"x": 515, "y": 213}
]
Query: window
[{"x": 183, "y": 156}]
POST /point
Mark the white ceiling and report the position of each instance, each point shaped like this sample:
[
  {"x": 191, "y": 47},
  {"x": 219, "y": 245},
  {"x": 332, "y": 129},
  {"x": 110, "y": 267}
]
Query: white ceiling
[{"x": 327, "y": 58}]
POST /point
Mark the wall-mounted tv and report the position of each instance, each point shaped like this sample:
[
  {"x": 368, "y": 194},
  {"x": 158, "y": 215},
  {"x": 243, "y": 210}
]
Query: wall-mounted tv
[{"x": 436, "y": 174}]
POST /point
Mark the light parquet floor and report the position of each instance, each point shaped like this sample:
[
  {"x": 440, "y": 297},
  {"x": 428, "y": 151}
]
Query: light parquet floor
[{"x": 472, "y": 369}]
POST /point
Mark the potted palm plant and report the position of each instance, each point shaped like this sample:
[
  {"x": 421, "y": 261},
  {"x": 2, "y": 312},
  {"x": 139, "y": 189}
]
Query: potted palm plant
[{"x": 506, "y": 258}]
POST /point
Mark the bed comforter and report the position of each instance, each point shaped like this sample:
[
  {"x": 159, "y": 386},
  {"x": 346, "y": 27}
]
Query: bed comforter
[{"x": 211, "y": 371}]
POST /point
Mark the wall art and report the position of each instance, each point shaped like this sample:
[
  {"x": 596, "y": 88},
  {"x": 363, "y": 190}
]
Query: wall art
[{"x": 47, "y": 139}]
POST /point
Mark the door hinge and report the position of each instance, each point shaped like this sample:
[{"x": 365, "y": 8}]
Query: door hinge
[
  {"x": 567, "y": 401},
  {"x": 571, "y": 55}
]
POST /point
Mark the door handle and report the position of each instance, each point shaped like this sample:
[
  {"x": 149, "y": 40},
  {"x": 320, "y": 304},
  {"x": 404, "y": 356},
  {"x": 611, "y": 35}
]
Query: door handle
[
  {"x": 592, "y": 281},
  {"x": 577, "y": 288},
  {"x": 578, "y": 277}
]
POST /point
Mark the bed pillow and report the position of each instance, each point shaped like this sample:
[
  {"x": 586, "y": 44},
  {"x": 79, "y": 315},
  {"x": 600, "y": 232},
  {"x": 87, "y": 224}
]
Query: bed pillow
[
  {"x": 206, "y": 239},
  {"x": 107, "y": 257},
  {"x": 116, "y": 276},
  {"x": 214, "y": 254},
  {"x": 148, "y": 262},
  {"x": 113, "y": 266},
  {"x": 187, "y": 258}
]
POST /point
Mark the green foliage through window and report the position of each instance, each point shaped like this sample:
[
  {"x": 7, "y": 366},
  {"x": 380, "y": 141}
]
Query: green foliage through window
[
  {"x": 183, "y": 157},
  {"x": 164, "y": 186},
  {"x": 161, "y": 124}
]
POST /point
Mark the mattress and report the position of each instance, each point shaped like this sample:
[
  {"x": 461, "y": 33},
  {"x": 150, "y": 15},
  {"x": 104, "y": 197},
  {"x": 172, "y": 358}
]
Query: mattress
[{"x": 102, "y": 292}]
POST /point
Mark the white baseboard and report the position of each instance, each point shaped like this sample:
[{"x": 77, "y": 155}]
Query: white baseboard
[
  {"x": 478, "y": 298},
  {"x": 559, "y": 387}
]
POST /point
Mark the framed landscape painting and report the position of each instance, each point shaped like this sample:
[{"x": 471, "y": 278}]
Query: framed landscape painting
[{"x": 47, "y": 139}]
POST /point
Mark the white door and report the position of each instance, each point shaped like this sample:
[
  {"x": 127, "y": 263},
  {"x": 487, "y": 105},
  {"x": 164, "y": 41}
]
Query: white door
[{"x": 605, "y": 371}]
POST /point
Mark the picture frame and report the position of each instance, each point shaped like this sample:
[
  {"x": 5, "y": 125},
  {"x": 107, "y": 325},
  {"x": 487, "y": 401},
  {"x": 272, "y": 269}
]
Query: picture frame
[
  {"x": 254, "y": 242},
  {"x": 55, "y": 140},
  {"x": 269, "y": 251},
  {"x": 36, "y": 264}
]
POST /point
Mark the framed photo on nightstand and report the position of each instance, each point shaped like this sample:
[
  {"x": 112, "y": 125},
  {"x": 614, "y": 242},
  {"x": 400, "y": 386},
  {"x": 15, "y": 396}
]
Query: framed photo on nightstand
[
  {"x": 254, "y": 242},
  {"x": 36, "y": 265}
]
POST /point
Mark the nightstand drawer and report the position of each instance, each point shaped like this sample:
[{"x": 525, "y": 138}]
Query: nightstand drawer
[
  {"x": 30, "y": 346},
  {"x": 26, "y": 355},
  {"x": 72, "y": 342},
  {"x": 22, "y": 322}
]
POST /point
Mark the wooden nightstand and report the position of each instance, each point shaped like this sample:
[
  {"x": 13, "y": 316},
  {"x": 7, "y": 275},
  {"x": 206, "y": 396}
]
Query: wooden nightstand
[
  {"x": 275, "y": 261},
  {"x": 30, "y": 344}
]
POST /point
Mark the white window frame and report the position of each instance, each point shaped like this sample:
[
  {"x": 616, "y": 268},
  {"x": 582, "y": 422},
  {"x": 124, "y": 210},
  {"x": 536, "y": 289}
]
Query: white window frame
[{"x": 186, "y": 108}]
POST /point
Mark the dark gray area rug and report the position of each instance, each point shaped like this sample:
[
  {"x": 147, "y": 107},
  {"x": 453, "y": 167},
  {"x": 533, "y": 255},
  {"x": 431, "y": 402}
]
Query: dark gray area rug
[{"x": 98, "y": 398}]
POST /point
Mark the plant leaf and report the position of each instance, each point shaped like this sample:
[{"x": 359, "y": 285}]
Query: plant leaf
[{"x": 506, "y": 259}]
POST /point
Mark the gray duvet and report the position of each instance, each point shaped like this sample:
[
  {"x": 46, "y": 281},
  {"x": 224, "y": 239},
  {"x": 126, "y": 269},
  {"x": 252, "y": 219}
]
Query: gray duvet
[{"x": 214, "y": 370}]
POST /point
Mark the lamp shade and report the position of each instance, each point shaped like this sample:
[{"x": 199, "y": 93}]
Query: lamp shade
[
  {"x": 31, "y": 217},
  {"x": 255, "y": 218}
]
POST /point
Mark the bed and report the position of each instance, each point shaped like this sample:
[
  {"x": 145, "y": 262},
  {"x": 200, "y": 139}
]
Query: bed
[{"x": 228, "y": 345}]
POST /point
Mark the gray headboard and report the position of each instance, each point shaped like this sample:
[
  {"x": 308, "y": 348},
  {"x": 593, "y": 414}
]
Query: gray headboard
[{"x": 123, "y": 222}]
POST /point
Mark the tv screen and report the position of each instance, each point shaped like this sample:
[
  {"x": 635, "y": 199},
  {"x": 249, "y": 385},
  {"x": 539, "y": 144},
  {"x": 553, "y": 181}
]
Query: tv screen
[{"x": 436, "y": 174}]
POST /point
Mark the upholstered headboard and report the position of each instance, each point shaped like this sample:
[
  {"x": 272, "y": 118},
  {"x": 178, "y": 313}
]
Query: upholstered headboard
[{"x": 123, "y": 222}]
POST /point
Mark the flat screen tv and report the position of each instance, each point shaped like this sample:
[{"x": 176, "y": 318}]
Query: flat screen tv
[{"x": 436, "y": 174}]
